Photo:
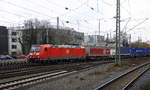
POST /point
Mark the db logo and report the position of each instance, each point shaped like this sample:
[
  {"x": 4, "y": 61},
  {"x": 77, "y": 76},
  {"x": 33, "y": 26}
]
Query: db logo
[{"x": 67, "y": 51}]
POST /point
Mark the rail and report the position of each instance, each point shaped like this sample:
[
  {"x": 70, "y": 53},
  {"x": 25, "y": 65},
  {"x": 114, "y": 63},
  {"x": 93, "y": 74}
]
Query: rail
[{"x": 107, "y": 84}]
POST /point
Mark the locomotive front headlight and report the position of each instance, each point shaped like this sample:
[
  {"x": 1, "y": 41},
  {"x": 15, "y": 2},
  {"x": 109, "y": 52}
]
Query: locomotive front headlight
[
  {"x": 30, "y": 54},
  {"x": 37, "y": 54}
]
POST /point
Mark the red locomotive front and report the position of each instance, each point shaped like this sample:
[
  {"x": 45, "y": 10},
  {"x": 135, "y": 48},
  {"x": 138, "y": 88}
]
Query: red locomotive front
[{"x": 37, "y": 52}]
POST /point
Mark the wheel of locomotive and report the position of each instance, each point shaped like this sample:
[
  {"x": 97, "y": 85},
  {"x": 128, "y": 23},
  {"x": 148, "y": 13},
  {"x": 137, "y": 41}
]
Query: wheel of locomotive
[{"x": 30, "y": 60}]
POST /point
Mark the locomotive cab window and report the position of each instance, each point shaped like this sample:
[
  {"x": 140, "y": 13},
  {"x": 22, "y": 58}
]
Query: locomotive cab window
[{"x": 35, "y": 48}]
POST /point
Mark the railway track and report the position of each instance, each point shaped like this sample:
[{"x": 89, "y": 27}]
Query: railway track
[
  {"x": 125, "y": 80},
  {"x": 48, "y": 75},
  {"x": 22, "y": 71},
  {"x": 35, "y": 68},
  {"x": 15, "y": 65},
  {"x": 30, "y": 80},
  {"x": 19, "y": 64},
  {"x": 29, "y": 68}
]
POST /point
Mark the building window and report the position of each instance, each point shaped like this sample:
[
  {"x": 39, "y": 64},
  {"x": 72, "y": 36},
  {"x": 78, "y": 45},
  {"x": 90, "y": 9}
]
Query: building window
[
  {"x": 14, "y": 40},
  {"x": 14, "y": 33},
  {"x": 14, "y": 46}
]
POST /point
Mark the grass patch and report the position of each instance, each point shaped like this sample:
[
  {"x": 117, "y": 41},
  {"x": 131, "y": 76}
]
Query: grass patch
[
  {"x": 109, "y": 69},
  {"x": 117, "y": 67},
  {"x": 95, "y": 73},
  {"x": 113, "y": 68},
  {"x": 82, "y": 78}
]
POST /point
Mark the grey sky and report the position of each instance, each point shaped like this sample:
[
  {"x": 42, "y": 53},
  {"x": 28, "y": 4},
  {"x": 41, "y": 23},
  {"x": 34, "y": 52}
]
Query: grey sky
[{"x": 80, "y": 13}]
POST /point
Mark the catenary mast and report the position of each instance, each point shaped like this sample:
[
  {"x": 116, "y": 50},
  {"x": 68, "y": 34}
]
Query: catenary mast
[{"x": 117, "y": 54}]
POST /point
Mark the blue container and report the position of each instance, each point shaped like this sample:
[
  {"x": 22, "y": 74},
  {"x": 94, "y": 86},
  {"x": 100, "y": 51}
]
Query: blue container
[
  {"x": 147, "y": 51},
  {"x": 125, "y": 51},
  {"x": 138, "y": 51},
  {"x": 132, "y": 51}
]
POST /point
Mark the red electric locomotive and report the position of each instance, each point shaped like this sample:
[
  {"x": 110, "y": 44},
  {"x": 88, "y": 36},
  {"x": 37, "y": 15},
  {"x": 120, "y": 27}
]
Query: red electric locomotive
[
  {"x": 97, "y": 53},
  {"x": 42, "y": 53}
]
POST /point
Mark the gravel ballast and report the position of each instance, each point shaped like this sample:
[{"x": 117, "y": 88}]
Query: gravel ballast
[
  {"x": 142, "y": 83},
  {"x": 86, "y": 80}
]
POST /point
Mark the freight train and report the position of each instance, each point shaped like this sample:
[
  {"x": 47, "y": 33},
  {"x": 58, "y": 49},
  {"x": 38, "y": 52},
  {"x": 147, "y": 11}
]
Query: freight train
[{"x": 52, "y": 53}]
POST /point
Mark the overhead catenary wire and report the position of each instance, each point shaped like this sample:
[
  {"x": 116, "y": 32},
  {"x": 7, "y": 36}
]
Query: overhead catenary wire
[
  {"x": 85, "y": 4},
  {"x": 28, "y": 9},
  {"x": 108, "y": 3},
  {"x": 138, "y": 24},
  {"x": 41, "y": 5},
  {"x": 79, "y": 7},
  {"x": 125, "y": 26},
  {"x": 129, "y": 13},
  {"x": 11, "y": 22},
  {"x": 121, "y": 5},
  {"x": 34, "y": 11},
  {"x": 74, "y": 9},
  {"x": 16, "y": 14},
  {"x": 24, "y": 15},
  {"x": 53, "y": 3}
]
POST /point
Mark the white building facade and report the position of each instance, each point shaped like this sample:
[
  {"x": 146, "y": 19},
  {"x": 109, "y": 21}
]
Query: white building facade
[
  {"x": 94, "y": 40},
  {"x": 14, "y": 47}
]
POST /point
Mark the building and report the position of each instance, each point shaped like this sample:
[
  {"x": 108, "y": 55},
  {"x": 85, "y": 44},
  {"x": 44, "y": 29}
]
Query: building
[
  {"x": 3, "y": 40},
  {"x": 65, "y": 36},
  {"x": 94, "y": 40},
  {"x": 14, "y": 47},
  {"x": 9, "y": 41}
]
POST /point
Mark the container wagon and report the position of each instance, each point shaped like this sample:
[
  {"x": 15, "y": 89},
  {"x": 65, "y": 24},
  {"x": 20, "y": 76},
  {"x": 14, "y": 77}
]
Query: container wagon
[{"x": 138, "y": 52}]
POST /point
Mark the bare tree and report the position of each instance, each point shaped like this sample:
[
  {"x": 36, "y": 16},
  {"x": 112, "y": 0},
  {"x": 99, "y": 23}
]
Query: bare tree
[{"x": 31, "y": 34}]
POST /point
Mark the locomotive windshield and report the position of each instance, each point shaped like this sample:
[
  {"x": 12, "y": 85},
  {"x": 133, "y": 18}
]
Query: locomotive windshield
[{"x": 35, "y": 48}]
